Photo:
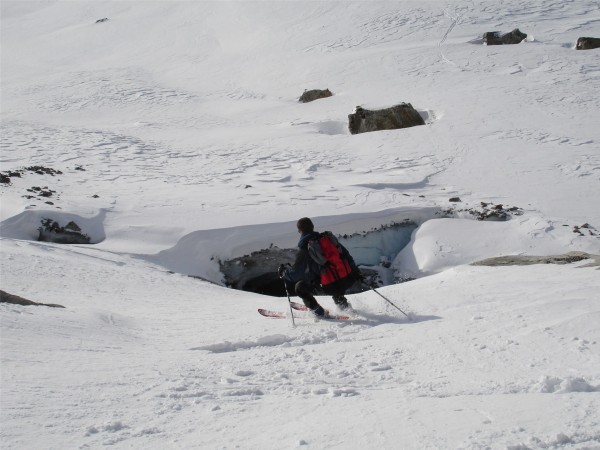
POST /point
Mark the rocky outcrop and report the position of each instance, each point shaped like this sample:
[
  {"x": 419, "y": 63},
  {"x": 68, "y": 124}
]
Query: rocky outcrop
[
  {"x": 495, "y": 38},
  {"x": 486, "y": 211},
  {"x": 522, "y": 260},
  {"x": 257, "y": 272},
  {"x": 314, "y": 94},
  {"x": 51, "y": 231},
  {"x": 399, "y": 116},
  {"x": 5, "y": 297},
  {"x": 587, "y": 43},
  {"x": 40, "y": 170}
]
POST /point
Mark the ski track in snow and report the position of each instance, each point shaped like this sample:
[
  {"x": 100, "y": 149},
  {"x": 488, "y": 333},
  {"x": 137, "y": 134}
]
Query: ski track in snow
[{"x": 472, "y": 361}]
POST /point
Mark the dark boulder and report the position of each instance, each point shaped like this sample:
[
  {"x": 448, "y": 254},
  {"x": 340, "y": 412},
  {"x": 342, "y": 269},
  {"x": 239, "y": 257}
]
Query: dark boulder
[
  {"x": 399, "y": 116},
  {"x": 257, "y": 272},
  {"x": 5, "y": 297},
  {"x": 51, "y": 231},
  {"x": 495, "y": 38},
  {"x": 314, "y": 94},
  {"x": 587, "y": 43}
]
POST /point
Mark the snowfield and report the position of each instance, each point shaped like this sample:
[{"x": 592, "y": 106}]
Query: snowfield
[{"x": 171, "y": 134}]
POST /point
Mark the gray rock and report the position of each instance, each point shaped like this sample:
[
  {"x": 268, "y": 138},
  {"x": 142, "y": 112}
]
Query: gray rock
[
  {"x": 523, "y": 260},
  {"x": 399, "y": 116},
  {"x": 51, "y": 231},
  {"x": 494, "y": 37},
  {"x": 314, "y": 94},
  {"x": 587, "y": 43},
  {"x": 5, "y": 297},
  {"x": 257, "y": 272}
]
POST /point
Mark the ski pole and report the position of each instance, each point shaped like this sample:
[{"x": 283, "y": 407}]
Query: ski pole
[
  {"x": 387, "y": 300},
  {"x": 289, "y": 302}
]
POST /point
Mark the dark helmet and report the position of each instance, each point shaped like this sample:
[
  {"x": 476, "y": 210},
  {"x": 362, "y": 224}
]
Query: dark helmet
[{"x": 305, "y": 225}]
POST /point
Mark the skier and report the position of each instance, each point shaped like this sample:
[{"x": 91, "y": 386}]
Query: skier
[{"x": 306, "y": 274}]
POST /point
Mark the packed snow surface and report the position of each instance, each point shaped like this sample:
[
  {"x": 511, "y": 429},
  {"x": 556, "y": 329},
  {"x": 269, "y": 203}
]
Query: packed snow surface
[{"x": 171, "y": 134}]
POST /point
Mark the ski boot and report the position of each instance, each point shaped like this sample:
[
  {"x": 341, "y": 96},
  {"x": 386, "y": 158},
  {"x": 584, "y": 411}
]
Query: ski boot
[{"x": 341, "y": 302}]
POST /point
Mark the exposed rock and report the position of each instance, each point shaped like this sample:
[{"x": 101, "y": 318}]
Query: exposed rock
[
  {"x": 522, "y": 260},
  {"x": 105, "y": 19},
  {"x": 454, "y": 200},
  {"x": 51, "y": 231},
  {"x": 584, "y": 229},
  {"x": 494, "y": 37},
  {"x": 41, "y": 170},
  {"x": 488, "y": 211},
  {"x": 72, "y": 226},
  {"x": 399, "y": 116},
  {"x": 587, "y": 43},
  {"x": 5, "y": 297},
  {"x": 5, "y": 178},
  {"x": 257, "y": 272},
  {"x": 314, "y": 94},
  {"x": 41, "y": 192}
]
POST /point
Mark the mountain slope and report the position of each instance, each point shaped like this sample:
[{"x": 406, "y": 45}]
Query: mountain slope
[{"x": 172, "y": 135}]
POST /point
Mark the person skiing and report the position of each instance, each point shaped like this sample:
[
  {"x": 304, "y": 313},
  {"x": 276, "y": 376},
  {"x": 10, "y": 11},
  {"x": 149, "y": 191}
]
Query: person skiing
[{"x": 307, "y": 273}]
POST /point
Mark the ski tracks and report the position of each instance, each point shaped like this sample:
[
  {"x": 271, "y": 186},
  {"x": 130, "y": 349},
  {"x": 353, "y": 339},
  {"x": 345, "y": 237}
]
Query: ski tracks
[
  {"x": 310, "y": 364},
  {"x": 455, "y": 20},
  {"x": 242, "y": 378}
]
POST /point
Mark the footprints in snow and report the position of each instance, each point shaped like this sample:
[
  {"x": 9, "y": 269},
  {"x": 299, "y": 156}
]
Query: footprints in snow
[{"x": 237, "y": 377}]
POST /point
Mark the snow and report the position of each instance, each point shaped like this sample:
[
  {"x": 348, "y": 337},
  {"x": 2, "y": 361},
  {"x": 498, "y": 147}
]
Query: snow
[
  {"x": 440, "y": 244},
  {"x": 180, "y": 140}
]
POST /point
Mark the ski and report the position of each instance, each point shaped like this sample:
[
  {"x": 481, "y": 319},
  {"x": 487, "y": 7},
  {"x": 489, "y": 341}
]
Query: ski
[
  {"x": 273, "y": 314},
  {"x": 284, "y": 315},
  {"x": 298, "y": 306}
]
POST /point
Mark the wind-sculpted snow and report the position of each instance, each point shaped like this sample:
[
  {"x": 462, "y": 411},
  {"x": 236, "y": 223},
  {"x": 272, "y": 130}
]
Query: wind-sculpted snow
[
  {"x": 568, "y": 385},
  {"x": 383, "y": 28},
  {"x": 27, "y": 225},
  {"x": 102, "y": 90}
]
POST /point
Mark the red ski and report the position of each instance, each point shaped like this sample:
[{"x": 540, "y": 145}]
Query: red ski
[{"x": 298, "y": 306}]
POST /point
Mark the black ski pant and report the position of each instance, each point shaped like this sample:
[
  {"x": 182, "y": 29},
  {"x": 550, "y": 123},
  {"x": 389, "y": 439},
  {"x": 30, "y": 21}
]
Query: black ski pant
[
  {"x": 338, "y": 289},
  {"x": 304, "y": 290}
]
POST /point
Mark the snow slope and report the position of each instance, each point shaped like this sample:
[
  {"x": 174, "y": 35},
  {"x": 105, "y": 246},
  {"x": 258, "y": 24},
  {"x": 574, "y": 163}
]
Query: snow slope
[{"x": 176, "y": 129}]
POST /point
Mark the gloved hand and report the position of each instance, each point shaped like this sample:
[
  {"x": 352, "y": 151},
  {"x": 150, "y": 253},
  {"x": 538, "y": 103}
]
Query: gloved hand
[{"x": 281, "y": 271}]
